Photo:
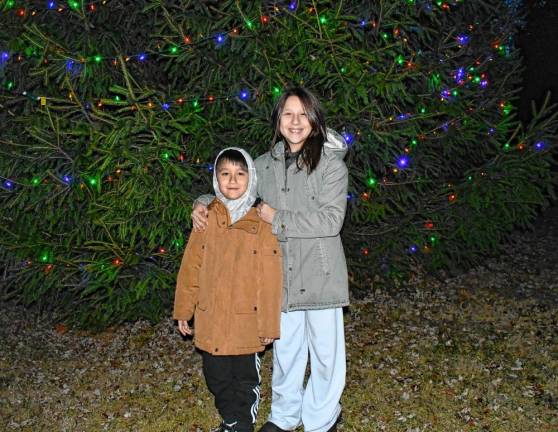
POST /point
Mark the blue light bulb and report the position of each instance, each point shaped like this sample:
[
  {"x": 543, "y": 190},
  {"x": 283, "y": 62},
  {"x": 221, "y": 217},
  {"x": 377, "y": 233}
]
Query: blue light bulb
[
  {"x": 219, "y": 39},
  {"x": 540, "y": 145},
  {"x": 403, "y": 162},
  {"x": 244, "y": 95},
  {"x": 348, "y": 138},
  {"x": 463, "y": 39}
]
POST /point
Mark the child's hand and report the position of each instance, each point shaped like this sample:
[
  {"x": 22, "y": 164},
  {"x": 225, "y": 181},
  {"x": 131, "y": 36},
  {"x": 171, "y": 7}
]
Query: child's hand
[
  {"x": 199, "y": 217},
  {"x": 184, "y": 328},
  {"x": 265, "y": 341}
]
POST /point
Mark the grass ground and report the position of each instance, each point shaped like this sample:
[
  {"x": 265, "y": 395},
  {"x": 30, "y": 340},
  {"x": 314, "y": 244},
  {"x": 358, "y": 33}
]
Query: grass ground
[{"x": 478, "y": 352}]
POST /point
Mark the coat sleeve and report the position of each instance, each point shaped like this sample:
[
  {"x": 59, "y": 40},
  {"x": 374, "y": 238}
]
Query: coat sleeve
[
  {"x": 270, "y": 286},
  {"x": 328, "y": 219},
  {"x": 187, "y": 284}
]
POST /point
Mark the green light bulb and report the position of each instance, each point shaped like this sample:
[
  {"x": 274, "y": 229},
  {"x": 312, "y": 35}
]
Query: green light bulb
[
  {"x": 98, "y": 58},
  {"x": 249, "y": 24},
  {"x": 414, "y": 142},
  {"x": 92, "y": 181},
  {"x": 74, "y": 4},
  {"x": 400, "y": 59},
  {"x": 173, "y": 49},
  {"x": 10, "y": 4},
  {"x": 10, "y": 85},
  {"x": 372, "y": 182},
  {"x": 343, "y": 70},
  {"x": 433, "y": 239},
  {"x": 323, "y": 20},
  {"x": 506, "y": 146},
  {"x": 166, "y": 155},
  {"x": 45, "y": 256},
  {"x": 195, "y": 104},
  {"x": 117, "y": 98},
  {"x": 469, "y": 178},
  {"x": 276, "y": 91},
  {"x": 36, "y": 181}
]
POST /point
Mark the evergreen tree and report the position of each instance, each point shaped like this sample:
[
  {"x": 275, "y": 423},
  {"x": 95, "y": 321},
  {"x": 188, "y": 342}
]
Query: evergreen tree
[{"x": 113, "y": 111}]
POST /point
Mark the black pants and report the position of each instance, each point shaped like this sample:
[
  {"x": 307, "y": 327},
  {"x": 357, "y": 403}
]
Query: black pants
[{"x": 235, "y": 382}]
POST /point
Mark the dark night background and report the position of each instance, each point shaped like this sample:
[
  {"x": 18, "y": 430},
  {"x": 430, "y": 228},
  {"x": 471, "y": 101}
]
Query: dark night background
[{"x": 539, "y": 44}]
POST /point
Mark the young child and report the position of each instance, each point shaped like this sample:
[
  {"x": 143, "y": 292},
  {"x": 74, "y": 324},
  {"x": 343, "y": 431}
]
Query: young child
[{"x": 230, "y": 280}]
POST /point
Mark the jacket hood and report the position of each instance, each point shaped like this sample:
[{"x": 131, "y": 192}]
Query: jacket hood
[
  {"x": 334, "y": 144},
  {"x": 239, "y": 207}
]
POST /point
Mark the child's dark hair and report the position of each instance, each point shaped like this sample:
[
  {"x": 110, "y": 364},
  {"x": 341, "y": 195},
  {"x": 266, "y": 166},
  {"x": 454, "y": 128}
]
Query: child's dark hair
[
  {"x": 232, "y": 156},
  {"x": 311, "y": 151}
]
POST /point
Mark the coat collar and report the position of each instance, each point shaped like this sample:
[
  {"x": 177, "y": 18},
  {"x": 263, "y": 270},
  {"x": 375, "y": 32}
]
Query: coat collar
[{"x": 250, "y": 222}]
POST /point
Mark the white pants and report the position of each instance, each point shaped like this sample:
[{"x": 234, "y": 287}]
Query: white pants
[{"x": 320, "y": 333}]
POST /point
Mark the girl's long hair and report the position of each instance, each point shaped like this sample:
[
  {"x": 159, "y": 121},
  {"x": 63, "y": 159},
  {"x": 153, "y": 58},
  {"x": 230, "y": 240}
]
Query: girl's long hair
[{"x": 311, "y": 151}]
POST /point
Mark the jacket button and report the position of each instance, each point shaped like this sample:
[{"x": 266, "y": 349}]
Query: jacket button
[
  {"x": 282, "y": 189},
  {"x": 255, "y": 308},
  {"x": 254, "y": 252},
  {"x": 216, "y": 349},
  {"x": 274, "y": 251},
  {"x": 312, "y": 197},
  {"x": 290, "y": 269},
  {"x": 302, "y": 291},
  {"x": 288, "y": 189}
]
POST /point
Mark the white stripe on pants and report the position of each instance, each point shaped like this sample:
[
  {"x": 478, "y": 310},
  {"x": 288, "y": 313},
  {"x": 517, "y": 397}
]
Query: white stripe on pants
[{"x": 320, "y": 333}]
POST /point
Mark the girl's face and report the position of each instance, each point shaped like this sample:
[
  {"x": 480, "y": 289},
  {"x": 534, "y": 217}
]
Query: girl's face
[
  {"x": 232, "y": 179},
  {"x": 294, "y": 124}
]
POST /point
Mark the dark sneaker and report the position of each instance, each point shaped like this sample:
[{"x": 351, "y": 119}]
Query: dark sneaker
[
  {"x": 270, "y": 427},
  {"x": 224, "y": 427},
  {"x": 334, "y": 427}
]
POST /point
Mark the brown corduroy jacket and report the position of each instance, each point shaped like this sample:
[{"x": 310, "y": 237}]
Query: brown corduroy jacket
[{"x": 230, "y": 280}]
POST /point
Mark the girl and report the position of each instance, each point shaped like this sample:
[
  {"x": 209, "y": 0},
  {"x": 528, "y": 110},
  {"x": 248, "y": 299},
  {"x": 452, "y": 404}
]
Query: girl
[{"x": 303, "y": 185}]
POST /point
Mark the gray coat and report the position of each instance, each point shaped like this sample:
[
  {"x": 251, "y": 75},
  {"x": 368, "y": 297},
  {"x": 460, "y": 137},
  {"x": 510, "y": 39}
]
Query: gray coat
[{"x": 310, "y": 213}]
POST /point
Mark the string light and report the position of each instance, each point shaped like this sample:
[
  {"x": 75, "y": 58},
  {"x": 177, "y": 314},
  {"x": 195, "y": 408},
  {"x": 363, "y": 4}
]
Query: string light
[{"x": 403, "y": 162}]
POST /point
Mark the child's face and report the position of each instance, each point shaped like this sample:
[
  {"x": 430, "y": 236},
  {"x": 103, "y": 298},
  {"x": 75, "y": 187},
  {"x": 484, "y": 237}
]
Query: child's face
[
  {"x": 294, "y": 124},
  {"x": 232, "y": 179}
]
